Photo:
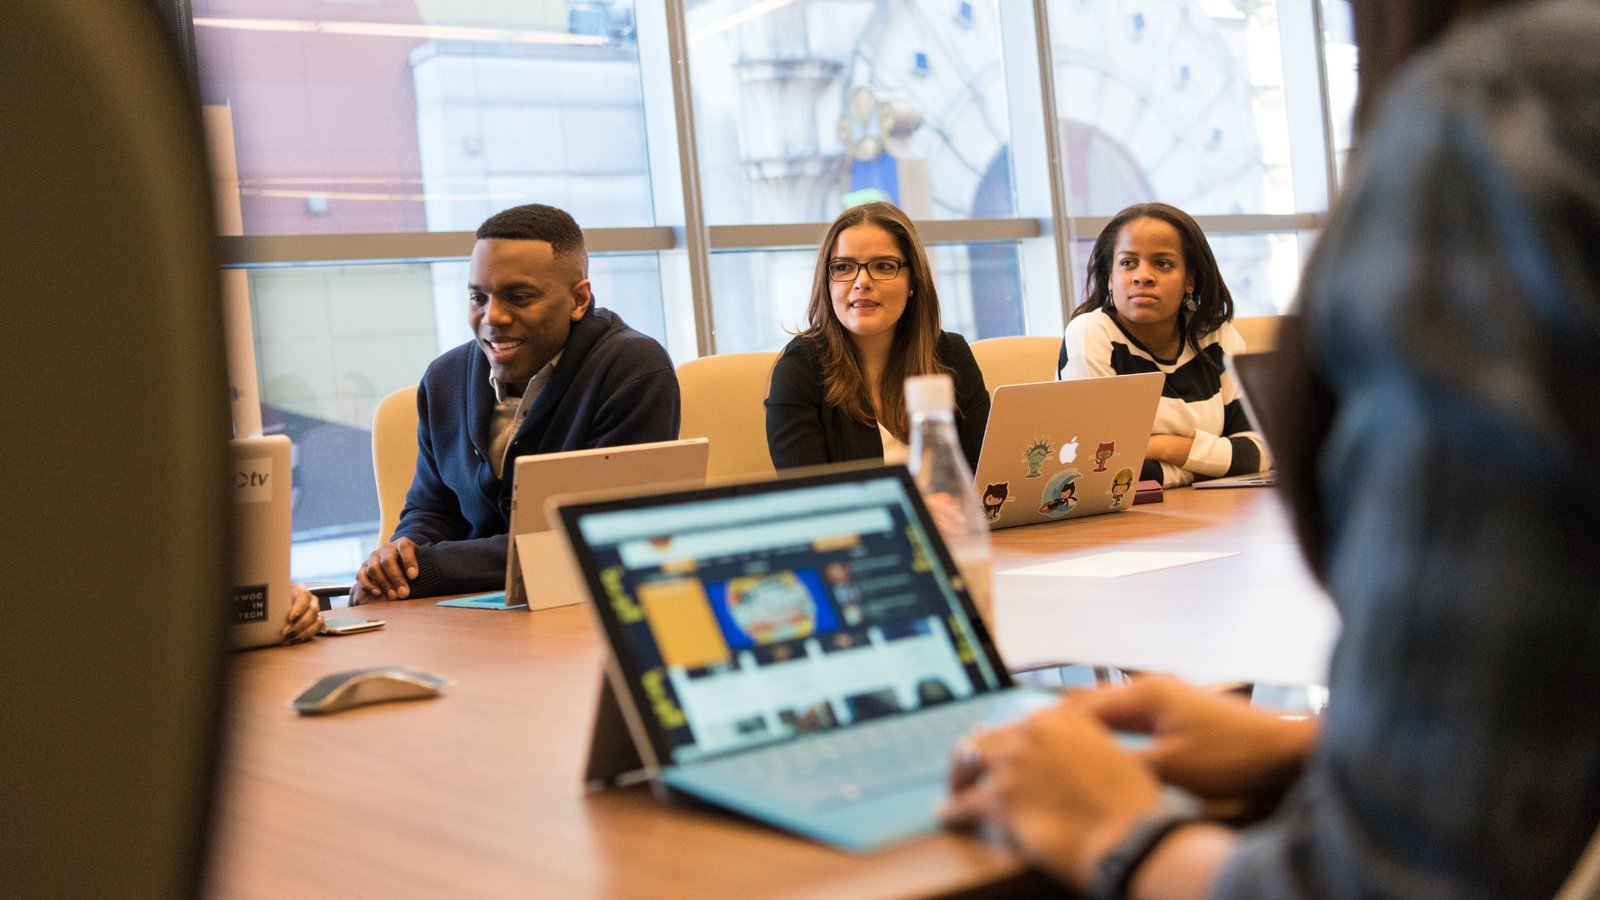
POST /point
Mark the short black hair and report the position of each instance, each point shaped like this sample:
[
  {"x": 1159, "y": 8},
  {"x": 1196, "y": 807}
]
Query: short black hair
[{"x": 535, "y": 222}]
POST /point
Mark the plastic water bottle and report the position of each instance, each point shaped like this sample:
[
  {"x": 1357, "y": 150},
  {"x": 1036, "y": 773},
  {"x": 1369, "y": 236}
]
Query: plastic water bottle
[{"x": 939, "y": 467}]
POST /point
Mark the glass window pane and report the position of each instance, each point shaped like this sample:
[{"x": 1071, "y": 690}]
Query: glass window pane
[
  {"x": 761, "y": 296},
  {"x": 331, "y": 341},
  {"x": 799, "y": 103},
  {"x": 355, "y": 116},
  {"x": 1180, "y": 101},
  {"x": 1262, "y": 270}
]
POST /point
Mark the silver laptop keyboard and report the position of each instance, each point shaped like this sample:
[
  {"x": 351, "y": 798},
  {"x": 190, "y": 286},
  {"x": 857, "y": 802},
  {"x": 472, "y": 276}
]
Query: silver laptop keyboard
[{"x": 857, "y": 762}]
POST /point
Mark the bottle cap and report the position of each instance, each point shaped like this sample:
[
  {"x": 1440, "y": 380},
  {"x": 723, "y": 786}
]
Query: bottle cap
[{"x": 930, "y": 393}]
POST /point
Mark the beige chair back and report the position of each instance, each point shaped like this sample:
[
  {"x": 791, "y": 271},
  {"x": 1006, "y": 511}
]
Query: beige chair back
[
  {"x": 1017, "y": 360},
  {"x": 724, "y": 400},
  {"x": 394, "y": 455},
  {"x": 1260, "y": 333},
  {"x": 1584, "y": 882}
]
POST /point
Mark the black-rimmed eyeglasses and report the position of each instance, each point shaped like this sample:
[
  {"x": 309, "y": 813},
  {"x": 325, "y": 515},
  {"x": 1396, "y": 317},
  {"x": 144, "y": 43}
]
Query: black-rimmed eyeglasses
[{"x": 883, "y": 268}]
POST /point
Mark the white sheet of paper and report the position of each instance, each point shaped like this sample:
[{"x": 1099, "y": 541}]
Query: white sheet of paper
[{"x": 1116, "y": 564}]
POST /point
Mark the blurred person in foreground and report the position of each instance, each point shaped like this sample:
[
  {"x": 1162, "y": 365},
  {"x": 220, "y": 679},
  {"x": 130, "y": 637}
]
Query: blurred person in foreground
[{"x": 1436, "y": 458}]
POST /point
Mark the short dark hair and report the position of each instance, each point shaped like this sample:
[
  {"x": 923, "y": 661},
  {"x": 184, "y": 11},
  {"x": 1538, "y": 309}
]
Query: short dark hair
[{"x": 536, "y": 222}]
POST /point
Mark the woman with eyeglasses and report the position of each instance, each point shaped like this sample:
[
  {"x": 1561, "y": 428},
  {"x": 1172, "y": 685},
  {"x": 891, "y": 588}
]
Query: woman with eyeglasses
[
  {"x": 837, "y": 389},
  {"x": 1156, "y": 302}
]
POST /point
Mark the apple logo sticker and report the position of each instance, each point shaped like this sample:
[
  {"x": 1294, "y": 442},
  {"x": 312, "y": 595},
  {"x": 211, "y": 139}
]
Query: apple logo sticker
[{"x": 1069, "y": 450}]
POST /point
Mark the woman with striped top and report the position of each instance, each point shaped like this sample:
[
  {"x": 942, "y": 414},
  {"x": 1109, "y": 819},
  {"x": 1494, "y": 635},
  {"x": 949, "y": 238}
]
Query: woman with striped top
[{"x": 1155, "y": 302}]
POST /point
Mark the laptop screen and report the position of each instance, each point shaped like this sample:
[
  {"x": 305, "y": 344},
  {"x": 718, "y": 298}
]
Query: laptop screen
[
  {"x": 1254, "y": 373},
  {"x": 745, "y": 615}
]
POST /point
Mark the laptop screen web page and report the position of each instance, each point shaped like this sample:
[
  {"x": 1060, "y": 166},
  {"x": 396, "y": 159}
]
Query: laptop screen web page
[{"x": 749, "y": 619}]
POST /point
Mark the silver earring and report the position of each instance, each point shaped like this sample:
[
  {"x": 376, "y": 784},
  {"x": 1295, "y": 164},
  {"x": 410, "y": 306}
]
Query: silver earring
[{"x": 1190, "y": 303}]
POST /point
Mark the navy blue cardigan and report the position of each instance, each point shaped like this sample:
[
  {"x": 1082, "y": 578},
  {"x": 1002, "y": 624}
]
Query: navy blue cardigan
[{"x": 612, "y": 386}]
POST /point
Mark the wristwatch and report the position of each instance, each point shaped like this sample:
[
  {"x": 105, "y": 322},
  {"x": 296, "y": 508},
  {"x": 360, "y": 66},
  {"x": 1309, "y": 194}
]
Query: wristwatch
[{"x": 1115, "y": 871}]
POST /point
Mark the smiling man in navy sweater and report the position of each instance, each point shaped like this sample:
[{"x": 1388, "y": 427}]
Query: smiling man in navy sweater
[{"x": 546, "y": 371}]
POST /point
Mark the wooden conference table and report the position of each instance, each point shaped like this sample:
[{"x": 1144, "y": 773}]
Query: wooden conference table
[{"x": 477, "y": 793}]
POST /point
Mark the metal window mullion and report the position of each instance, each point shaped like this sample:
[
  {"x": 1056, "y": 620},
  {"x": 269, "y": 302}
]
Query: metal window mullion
[
  {"x": 808, "y": 235},
  {"x": 696, "y": 240},
  {"x": 1066, "y": 230},
  {"x": 408, "y": 246},
  {"x": 253, "y": 251},
  {"x": 1263, "y": 223},
  {"x": 1320, "y": 48}
]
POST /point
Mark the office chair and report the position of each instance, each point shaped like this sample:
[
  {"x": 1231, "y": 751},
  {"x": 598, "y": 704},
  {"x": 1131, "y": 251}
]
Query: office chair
[
  {"x": 1260, "y": 333},
  {"x": 1016, "y": 360},
  {"x": 394, "y": 455},
  {"x": 1584, "y": 882},
  {"x": 113, "y": 380},
  {"x": 724, "y": 400}
]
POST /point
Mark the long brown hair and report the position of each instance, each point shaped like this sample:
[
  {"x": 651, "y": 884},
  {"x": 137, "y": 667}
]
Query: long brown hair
[
  {"x": 1210, "y": 291},
  {"x": 916, "y": 336}
]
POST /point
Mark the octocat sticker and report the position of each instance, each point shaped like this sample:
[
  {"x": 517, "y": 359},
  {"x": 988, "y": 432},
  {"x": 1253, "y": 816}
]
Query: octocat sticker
[
  {"x": 1105, "y": 451},
  {"x": 1121, "y": 483},
  {"x": 994, "y": 497},
  {"x": 1060, "y": 493}
]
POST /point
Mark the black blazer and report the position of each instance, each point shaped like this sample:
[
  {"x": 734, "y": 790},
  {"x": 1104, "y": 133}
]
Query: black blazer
[{"x": 802, "y": 430}]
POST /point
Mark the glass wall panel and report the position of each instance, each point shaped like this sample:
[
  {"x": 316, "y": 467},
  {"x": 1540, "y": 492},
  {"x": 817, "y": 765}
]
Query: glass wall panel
[
  {"x": 359, "y": 116},
  {"x": 1262, "y": 271},
  {"x": 331, "y": 341},
  {"x": 1180, "y": 101},
  {"x": 761, "y": 296},
  {"x": 799, "y": 103}
]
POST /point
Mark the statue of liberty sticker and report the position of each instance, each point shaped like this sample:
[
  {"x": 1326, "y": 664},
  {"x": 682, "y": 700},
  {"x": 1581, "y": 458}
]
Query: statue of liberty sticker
[{"x": 1035, "y": 454}]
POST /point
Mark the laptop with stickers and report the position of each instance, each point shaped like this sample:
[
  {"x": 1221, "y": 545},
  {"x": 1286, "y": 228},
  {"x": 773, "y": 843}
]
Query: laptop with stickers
[
  {"x": 802, "y": 651},
  {"x": 1065, "y": 449},
  {"x": 263, "y": 509},
  {"x": 539, "y": 569}
]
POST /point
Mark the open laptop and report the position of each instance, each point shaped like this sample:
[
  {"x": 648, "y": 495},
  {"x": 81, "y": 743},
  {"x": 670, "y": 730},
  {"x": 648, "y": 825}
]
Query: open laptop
[
  {"x": 1065, "y": 449},
  {"x": 539, "y": 569},
  {"x": 1252, "y": 372},
  {"x": 802, "y": 651},
  {"x": 258, "y": 606}
]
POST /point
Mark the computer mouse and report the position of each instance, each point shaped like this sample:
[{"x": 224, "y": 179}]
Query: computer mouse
[{"x": 359, "y": 687}]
